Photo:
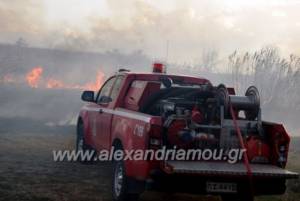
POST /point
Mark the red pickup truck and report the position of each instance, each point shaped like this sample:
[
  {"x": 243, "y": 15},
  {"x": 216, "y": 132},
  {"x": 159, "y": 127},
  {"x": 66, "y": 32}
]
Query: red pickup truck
[{"x": 149, "y": 111}]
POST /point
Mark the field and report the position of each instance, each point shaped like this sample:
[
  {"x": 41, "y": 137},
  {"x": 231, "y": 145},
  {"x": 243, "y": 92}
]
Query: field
[{"x": 28, "y": 173}]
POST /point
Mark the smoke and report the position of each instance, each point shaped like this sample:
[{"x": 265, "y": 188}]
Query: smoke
[
  {"x": 194, "y": 32},
  {"x": 129, "y": 25},
  {"x": 139, "y": 25},
  {"x": 21, "y": 19}
]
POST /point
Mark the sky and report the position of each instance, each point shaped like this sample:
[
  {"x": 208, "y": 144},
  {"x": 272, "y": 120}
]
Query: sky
[{"x": 176, "y": 30}]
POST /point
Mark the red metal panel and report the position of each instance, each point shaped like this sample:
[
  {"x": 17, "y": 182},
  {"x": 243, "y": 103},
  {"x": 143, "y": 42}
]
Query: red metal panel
[{"x": 139, "y": 92}]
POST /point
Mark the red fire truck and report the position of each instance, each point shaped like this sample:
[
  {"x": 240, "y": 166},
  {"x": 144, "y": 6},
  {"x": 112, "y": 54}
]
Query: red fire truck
[{"x": 148, "y": 111}]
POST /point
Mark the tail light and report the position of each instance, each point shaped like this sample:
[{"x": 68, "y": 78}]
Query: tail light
[
  {"x": 278, "y": 140},
  {"x": 281, "y": 144},
  {"x": 282, "y": 159},
  {"x": 155, "y": 137}
]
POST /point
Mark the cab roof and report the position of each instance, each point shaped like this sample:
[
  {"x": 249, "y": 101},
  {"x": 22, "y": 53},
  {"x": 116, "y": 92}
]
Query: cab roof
[{"x": 158, "y": 76}]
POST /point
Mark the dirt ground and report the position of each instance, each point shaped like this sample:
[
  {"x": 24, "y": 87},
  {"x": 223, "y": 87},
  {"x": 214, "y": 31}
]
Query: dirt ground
[{"x": 28, "y": 173}]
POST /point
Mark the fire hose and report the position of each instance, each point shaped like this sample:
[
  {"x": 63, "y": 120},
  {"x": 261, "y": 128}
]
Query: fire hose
[
  {"x": 241, "y": 141},
  {"x": 250, "y": 104}
]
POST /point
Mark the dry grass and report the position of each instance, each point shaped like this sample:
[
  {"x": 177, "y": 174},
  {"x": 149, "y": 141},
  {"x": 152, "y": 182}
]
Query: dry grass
[{"x": 27, "y": 172}]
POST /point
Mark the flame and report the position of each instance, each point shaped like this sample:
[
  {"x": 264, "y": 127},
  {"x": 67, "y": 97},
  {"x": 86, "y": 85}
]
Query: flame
[
  {"x": 52, "y": 83},
  {"x": 33, "y": 77},
  {"x": 94, "y": 86}
]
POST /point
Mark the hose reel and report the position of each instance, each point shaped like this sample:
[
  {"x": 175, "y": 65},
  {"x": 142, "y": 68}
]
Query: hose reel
[{"x": 250, "y": 103}]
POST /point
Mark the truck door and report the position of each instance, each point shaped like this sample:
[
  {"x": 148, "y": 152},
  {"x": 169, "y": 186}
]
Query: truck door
[
  {"x": 106, "y": 100},
  {"x": 101, "y": 114}
]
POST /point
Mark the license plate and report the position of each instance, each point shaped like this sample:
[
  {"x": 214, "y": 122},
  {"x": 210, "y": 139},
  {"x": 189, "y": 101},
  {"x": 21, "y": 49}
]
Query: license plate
[{"x": 220, "y": 187}]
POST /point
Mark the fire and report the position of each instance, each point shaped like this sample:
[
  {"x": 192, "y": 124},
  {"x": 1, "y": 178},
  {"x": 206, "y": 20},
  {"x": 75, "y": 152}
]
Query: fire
[
  {"x": 94, "y": 86},
  {"x": 34, "y": 76},
  {"x": 36, "y": 79},
  {"x": 52, "y": 83}
]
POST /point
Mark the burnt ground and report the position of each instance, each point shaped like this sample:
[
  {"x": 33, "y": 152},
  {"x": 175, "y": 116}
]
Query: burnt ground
[{"x": 28, "y": 173}]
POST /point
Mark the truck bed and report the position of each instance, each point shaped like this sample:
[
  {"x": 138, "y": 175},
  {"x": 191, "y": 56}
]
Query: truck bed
[{"x": 226, "y": 169}]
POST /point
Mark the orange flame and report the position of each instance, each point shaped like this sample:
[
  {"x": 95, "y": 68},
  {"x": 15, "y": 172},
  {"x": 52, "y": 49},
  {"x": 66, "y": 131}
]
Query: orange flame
[
  {"x": 94, "y": 86},
  {"x": 33, "y": 77},
  {"x": 52, "y": 83}
]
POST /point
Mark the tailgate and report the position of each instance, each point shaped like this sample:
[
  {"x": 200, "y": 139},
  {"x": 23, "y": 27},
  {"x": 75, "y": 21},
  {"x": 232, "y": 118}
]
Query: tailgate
[{"x": 226, "y": 169}]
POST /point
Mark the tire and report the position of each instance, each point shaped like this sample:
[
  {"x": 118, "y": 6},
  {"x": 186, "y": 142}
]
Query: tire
[
  {"x": 120, "y": 188},
  {"x": 238, "y": 197},
  {"x": 81, "y": 144}
]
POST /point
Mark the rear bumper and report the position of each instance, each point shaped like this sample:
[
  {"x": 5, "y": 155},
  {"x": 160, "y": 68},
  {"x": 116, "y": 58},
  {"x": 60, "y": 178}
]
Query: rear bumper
[
  {"x": 196, "y": 184},
  {"x": 224, "y": 169},
  {"x": 192, "y": 177}
]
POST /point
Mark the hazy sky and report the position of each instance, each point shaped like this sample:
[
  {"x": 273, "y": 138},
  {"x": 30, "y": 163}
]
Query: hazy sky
[{"x": 189, "y": 26}]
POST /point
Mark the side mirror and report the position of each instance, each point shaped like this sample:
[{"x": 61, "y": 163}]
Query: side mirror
[
  {"x": 88, "y": 96},
  {"x": 105, "y": 99}
]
